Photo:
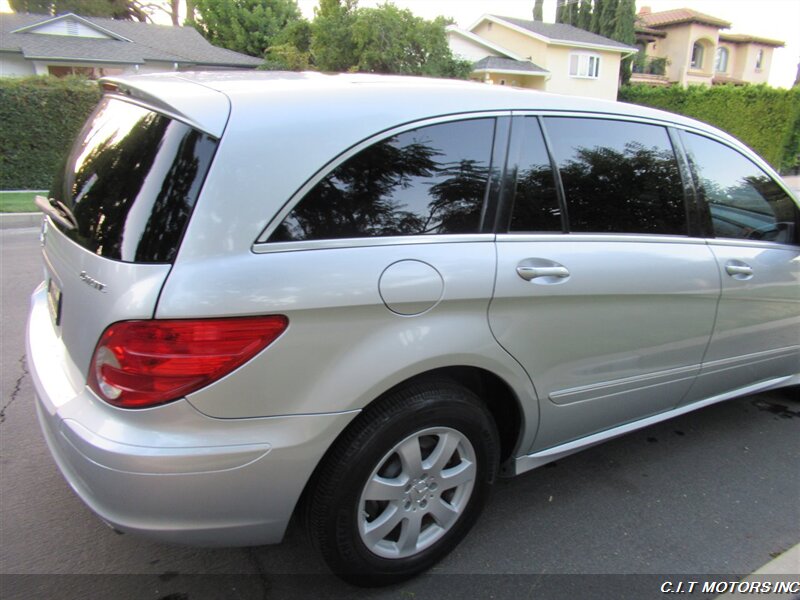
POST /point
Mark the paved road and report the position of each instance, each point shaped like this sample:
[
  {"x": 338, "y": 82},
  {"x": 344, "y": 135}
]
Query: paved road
[{"x": 713, "y": 492}]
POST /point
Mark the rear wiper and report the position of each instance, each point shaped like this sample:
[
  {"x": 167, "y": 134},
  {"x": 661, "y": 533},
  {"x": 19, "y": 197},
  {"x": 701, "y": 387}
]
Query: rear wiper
[{"x": 58, "y": 211}]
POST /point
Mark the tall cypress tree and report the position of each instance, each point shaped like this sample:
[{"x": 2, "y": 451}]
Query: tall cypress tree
[
  {"x": 538, "y": 11},
  {"x": 624, "y": 31},
  {"x": 560, "y": 10},
  {"x": 585, "y": 15},
  {"x": 596, "y": 12},
  {"x": 608, "y": 18}
]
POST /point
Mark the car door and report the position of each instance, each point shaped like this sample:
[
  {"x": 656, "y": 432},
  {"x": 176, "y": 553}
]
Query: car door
[
  {"x": 753, "y": 226},
  {"x": 600, "y": 293}
]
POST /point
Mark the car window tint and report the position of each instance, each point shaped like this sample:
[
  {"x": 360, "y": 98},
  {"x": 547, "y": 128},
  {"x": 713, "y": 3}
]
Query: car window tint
[
  {"x": 536, "y": 206},
  {"x": 618, "y": 177},
  {"x": 131, "y": 181},
  {"x": 430, "y": 180},
  {"x": 744, "y": 202}
]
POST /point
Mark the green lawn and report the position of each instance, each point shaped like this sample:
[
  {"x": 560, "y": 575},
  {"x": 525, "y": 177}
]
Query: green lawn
[{"x": 18, "y": 202}]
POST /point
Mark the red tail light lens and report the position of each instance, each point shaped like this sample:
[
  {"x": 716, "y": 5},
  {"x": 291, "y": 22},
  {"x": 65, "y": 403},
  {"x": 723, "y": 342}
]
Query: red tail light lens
[{"x": 138, "y": 364}]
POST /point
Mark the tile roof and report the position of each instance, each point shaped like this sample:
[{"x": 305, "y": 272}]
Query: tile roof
[
  {"x": 740, "y": 38},
  {"x": 498, "y": 63},
  {"x": 679, "y": 15},
  {"x": 560, "y": 32},
  {"x": 148, "y": 42}
]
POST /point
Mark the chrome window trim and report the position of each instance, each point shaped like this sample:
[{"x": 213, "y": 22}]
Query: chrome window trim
[
  {"x": 600, "y": 237},
  {"x": 743, "y": 243},
  {"x": 371, "y": 242},
  {"x": 297, "y": 197}
]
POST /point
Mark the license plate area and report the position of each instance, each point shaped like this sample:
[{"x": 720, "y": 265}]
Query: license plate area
[{"x": 54, "y": 301}]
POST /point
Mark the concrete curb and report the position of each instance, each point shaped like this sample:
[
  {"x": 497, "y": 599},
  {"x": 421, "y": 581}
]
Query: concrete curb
[
  {"x": 785, "y": 567},
  {"x": 20, "y": 220}
]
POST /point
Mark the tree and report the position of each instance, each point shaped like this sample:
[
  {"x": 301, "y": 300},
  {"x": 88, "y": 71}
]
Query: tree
[
  {"x": 332, "y": 44},
  {"x": 247, "y": 26},
  {"x": 585, "y": 15},
  {"x": 560, "y": 4},
  {"x": 570, "y": 13},
  {"x": 538, "y": 10},
  {"x": 624, "y": 31},
  {"x": 608, "y": 17},
  {"x": 596, "y": 12},
  {"x": 113, "y": 9},
  {"x": 392, "y": 40},
  {"x": 291, "y": 49}
]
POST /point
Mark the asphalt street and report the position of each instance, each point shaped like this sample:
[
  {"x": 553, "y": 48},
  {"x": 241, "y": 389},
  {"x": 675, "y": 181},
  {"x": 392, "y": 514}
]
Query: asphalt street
[{"x": 712, "y": 494}]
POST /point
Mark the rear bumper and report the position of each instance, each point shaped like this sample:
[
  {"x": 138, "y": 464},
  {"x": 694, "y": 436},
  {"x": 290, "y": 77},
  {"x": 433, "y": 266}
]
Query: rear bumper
[{"x": 170, "y": 472}]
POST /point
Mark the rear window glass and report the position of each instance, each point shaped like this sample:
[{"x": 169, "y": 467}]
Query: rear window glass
[{"x": 131, "y": 180}]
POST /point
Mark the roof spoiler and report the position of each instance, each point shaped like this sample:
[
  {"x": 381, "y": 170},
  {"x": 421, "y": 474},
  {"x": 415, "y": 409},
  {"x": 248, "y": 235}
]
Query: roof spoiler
[{"x": 197, "y": 105}]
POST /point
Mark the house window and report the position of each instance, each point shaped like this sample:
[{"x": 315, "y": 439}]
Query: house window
[
  {"x": 759, "y": 59},
  {"x": 721, "y": 62},
  {"x": 697, "y": 56},
  {"x": 584, "y": 65}
]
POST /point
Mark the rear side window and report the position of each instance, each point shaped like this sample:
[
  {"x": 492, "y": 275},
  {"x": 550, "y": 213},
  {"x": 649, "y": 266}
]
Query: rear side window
[
  {"x": 430, "y": 180},
  {"x": 744, "y": 202},
  {"x": 131, "y": 180},
  {"x": 618, "y": 176}
]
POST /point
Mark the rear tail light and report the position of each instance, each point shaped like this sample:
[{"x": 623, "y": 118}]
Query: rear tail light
[{"x": 138, "y": 364}]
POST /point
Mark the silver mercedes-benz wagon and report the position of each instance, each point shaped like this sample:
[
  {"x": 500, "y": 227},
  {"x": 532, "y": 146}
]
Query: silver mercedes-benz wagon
[{"x": 364, "y": 298}]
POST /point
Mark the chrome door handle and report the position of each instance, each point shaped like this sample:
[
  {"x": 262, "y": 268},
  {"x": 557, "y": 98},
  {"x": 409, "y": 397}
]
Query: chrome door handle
[
  {"x": 528, "y": 273},
  {"x": 739, "y": 270}
]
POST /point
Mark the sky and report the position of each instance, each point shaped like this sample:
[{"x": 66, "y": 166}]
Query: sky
[{"x": 774, "y": 19}]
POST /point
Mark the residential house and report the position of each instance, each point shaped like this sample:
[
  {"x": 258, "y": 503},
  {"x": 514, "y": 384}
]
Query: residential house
[
  {"x": 71, "y": 44},
  {"x": 687, "y": 47},
  {"x": 551, "y": 57}
]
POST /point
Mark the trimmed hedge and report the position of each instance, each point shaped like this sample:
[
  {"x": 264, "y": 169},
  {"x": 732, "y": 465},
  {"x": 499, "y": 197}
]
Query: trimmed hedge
[
  {"x": 39, "y": 118},
  {"x": 766, "y": 119}
]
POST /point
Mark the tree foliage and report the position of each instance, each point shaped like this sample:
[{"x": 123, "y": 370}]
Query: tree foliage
[
  {"x": 608, "y": 18},
  {"x": 247, "y": 26},
  {"x": 585, "y": 15},
  {"x": 332, "y": 44},
  {"x": 113, "y": 9},
  {"x": 393, "y": 40},
  {"x": 597, "y": 10},
  {"x": 538, "y": 10},
  {"x": 40, "y": 117},
  {"x": 766, "y": 119},
  {"x": 624, "y": 32}
]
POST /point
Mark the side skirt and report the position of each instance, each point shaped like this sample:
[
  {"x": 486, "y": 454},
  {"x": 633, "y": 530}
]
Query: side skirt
[{"x": 537, "y": 459}]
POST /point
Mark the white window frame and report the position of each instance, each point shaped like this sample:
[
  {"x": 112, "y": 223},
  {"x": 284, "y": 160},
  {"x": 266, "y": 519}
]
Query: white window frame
[{"x": 584, "y": 65}]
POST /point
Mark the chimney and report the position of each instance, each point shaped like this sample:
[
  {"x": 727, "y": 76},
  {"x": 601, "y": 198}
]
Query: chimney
[{"x": 645, "y": 10}]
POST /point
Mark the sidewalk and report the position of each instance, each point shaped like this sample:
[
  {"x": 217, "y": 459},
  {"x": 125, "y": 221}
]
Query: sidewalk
[{"x": 20, "y": 220}]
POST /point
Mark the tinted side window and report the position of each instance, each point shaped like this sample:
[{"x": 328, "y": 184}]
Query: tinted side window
[
  {"x": 744, "y": 201},
  {"x": 536, "y": 205},
  {"x": 430, "y": 180},
  {"x": 618, "y": 177}
]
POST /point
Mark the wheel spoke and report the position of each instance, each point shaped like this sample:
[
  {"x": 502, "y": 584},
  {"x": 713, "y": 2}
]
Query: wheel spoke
[
  {"x": 411, "y": 457},
  {"x": 441, "y": 454},
  {"x": 383, "y": 525},
  {"x": 380, "y": 488},
  {"x": 409, "y": 535},
  {"x": 443, "y": 513},
  {"x": 462, "y": 473}
]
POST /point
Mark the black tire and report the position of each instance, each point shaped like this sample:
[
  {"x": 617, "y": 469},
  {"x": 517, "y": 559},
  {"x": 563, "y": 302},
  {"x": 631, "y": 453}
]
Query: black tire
[{"x": 439, "y": 507}]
